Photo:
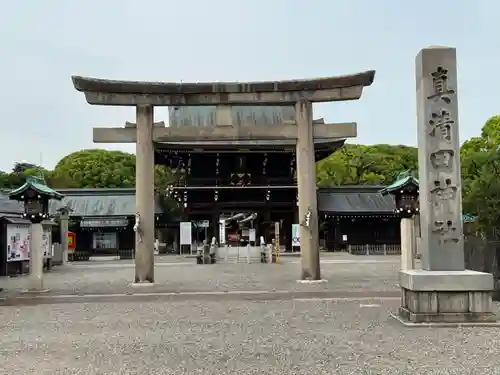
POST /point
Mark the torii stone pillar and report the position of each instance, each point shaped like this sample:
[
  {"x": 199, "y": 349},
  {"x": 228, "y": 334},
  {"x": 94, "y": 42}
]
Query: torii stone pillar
[
  {"x": 144, "y": 190},
  {"x": 301, "y": 93},
  {"x": 307, "y": 195},
  {"x": 64, "y": 228}
]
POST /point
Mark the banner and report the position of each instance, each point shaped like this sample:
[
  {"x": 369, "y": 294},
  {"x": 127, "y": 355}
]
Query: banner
[
  {"x": 185, "y": 228},
  {"x": 47, "y": 244},
  {"x": 222, "y": 232},
  {"x": 18, "y": 242},
  {"x": 295, "y": 235},
  {"x": 71, "y": 242},
  {"x": 251, "y": 235}
]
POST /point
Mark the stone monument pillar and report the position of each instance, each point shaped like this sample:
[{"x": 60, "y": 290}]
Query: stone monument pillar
[
  {"x": 442, "y": 291},
  {"x": 144, "y": 185},
  {"x": 307, "y": 195}
]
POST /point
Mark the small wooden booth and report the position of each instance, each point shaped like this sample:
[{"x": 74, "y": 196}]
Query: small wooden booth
[
  {"x": 102, "y": 222},
  {"x": 359, "y": 219}
]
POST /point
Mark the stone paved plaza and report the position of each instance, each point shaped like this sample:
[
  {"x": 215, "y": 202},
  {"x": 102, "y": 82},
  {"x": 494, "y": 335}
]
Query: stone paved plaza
[{"x": 344, "y": 330}]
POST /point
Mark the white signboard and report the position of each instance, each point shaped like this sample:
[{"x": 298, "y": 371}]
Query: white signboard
[
  {"x": 47, "y": 244},
  {"x": 251, "y": 235},
  {"x": 203, "y": 224},
  {"x": 185, "y": 233},
  {"x": 222, "y": 232},
  {"x": 296, "y": 235},
  {"x": 18, "y": 242}
]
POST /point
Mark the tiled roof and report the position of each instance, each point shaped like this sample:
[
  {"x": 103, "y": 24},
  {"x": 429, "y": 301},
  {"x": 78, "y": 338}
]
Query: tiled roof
[
  {"x": 98, "y": 202},
  {"x": 399, "y": 184},
  {"x": 38, "y": 185},
  {"x": 355, "y": 200},
  {"x": 8, "y": 206}
]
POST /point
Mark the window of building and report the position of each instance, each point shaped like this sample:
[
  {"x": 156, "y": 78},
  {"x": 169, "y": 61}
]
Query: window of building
[{"x": 105, "y": 241}]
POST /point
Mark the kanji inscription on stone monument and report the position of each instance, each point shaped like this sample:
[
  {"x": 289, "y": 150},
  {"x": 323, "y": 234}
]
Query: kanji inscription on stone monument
[
  {"x": 441, "y": 123},
  {"x": 440, "y": 85},
  {"x": 439, "y": 164}
]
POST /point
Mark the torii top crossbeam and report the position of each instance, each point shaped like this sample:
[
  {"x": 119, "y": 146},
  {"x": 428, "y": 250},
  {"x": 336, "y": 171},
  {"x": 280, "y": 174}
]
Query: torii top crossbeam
[{"x": 132, "y": 93}]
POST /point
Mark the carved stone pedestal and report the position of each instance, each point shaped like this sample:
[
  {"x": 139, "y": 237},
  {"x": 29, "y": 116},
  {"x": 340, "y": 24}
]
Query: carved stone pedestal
[{"x": 449, "y": 297}]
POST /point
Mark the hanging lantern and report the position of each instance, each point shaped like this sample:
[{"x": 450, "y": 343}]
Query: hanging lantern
[{"x": 35, "y": 195}]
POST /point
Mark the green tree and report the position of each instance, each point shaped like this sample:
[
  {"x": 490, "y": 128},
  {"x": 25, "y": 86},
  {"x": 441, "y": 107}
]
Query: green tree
[
  {"x": 97, "y": 168},
  {"x": 366, "y": 165},
  {"x": 108, "y": 169},
  {"x": 34, "y": 172},
  {"x": 480, "y": 164},
  {"x": 104, "y": 169},
  {"x": 10, "y": 181},
  {"x": 163, "y": 179},
  {"x": 476, "y": 151},
  {"x": 482, "y": 193},
  {"x": 20, "y": 167},
  {"x": 59, "y": 180}
]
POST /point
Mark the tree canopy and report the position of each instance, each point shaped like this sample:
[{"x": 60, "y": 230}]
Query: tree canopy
[
  {"x": 366, "y": 165},
  {"x": 480, "y": 158},
  {"x": 93, "y": 168},
  {"x": 98, "y": 168}
]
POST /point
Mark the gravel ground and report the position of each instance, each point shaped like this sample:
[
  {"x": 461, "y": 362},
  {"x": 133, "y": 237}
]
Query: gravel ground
[
  {"x": 172, "y": 277},
  {"x": 252, "y": 334},
  {"x": 236, "y": 337}
]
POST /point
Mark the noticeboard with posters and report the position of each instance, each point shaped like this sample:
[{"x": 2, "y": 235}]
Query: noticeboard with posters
[{"x": 18, "y": 242}]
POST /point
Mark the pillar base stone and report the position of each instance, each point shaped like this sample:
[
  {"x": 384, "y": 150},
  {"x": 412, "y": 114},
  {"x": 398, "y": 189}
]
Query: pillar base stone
[
  {"x": 141, "y": 285},
  {"x": 408, "y": 323},
  {"x": 35, "y": 291},
  {"x": 312, "y": 281},
  {"x": 446, "y": 298}
]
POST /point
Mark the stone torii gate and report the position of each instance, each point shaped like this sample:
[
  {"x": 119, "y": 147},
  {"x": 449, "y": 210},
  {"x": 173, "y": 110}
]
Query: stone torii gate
[{"x": 300, "y": 93}]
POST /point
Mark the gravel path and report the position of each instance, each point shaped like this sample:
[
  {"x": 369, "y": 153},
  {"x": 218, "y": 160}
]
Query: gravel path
[
  {"x": 231, "y": 333},
  {"x": 362, "y": 276},
  {"x": 236, "y": 337}
]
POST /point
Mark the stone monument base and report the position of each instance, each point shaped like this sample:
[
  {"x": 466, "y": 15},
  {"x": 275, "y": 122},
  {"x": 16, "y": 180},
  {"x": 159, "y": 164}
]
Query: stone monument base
[{"x": 446, "y": 297}]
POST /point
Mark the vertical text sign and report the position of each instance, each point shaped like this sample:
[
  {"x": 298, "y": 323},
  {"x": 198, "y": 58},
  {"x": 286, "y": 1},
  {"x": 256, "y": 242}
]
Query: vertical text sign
[{"x": 439, "y": 160}]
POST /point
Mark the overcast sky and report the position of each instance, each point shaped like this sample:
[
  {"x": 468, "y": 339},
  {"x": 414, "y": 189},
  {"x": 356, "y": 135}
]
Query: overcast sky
[{"x": 43, "y": 43}]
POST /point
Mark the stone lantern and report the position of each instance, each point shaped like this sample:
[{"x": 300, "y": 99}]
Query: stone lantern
[
  {"x": 35, "y": 195},
  {"x": 405, "y": 191}
]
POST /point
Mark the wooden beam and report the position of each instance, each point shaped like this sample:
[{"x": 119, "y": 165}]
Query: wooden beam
[
  {"x": 242, "y": 204},
  {"x": 224, "y": 133}
]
